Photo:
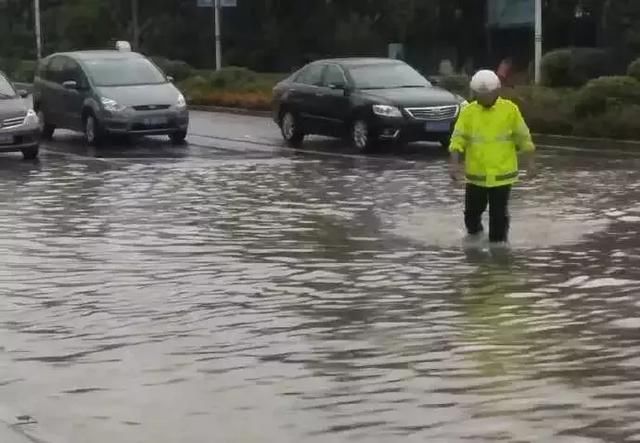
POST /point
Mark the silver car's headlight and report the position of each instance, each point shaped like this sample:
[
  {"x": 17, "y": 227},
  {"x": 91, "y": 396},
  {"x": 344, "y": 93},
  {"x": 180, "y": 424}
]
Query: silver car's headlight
[
  {"x": 111, "y": 105},
  {"x": 181, "y": 103},
  {"x": 31, "y": 119},
  {"x": 386, "y": 111}
]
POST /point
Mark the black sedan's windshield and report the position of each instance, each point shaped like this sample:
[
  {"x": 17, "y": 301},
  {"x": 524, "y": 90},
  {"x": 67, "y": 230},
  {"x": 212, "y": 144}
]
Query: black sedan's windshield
[
  {"x": 124, "y": 72},
  {"x": 6, "y": 90},
  {"x": 387, "y": 76}
]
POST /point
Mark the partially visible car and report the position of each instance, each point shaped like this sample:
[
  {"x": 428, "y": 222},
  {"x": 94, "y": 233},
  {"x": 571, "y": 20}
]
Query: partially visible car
[
  {"x": 19, "y": 129},
  {"x": 367, "y": 100},
  {"x": 108, "y": 92}
]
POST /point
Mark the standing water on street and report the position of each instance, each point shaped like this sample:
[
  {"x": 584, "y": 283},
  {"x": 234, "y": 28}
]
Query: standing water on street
[{"x": 275, "y": 298}]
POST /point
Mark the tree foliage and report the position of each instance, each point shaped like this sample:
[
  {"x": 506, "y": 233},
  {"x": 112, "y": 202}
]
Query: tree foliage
[{"x": 280, "y": 34}]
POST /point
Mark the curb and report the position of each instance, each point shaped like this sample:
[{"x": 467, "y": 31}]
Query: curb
[{"x": 603, "y": 144}]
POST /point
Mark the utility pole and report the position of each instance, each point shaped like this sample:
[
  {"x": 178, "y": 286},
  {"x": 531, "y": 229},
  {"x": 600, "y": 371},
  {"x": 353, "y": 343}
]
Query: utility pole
[
  {"x": 36, "y": 10},
  {"x": 136, "y": 25},
  {"x": 217, "y": 15},
  {"x": 538, "y": 42}
]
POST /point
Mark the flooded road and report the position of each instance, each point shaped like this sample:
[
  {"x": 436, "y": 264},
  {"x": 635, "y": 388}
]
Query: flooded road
[{"x": 237, "y": 291}]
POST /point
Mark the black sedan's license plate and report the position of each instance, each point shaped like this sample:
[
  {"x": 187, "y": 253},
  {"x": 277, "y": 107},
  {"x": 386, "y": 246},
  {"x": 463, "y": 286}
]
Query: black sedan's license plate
[
  {"x": 6, "y": 139},
  {"x": 438, "y": 126}
]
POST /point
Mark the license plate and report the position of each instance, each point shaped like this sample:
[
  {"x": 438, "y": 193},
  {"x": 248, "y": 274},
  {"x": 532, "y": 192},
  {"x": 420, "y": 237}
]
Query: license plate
[
  {"x": 440, "y": 126},
  {"x": 155, "y": 121},
  {"x": 6, "y": 139}
]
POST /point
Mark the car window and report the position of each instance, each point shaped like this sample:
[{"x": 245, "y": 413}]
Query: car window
[
  {"x": 386, "y": 76},
  {"x": 71, "y": 71},
  {"x": 123, "y": 71},
  {"x": 6, "y": 89},
  {"x": 333, "y": 75},
  {"x": 55, "y": 69},
  {"x": 312, "y": 75}
]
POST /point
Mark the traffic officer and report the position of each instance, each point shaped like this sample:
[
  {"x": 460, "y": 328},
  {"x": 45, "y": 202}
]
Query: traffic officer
[{"x": 490, "y": 133}]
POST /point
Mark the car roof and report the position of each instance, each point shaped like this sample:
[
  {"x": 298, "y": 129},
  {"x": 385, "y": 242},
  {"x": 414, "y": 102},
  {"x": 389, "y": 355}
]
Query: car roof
[
  {"x": 359, "y": 61},
  {"x": 98, "y": 55}
]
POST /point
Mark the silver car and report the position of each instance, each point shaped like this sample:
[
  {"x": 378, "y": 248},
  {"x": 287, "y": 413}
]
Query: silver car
[
  {"x": 18, "y": 124},
  {"x": 108, "y": 92}
]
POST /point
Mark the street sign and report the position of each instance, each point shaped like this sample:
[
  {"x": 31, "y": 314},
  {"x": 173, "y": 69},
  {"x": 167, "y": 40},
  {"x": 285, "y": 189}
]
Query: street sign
[
  {"x": 223, "y": 3},
  {"x": 510, "y": 13}
]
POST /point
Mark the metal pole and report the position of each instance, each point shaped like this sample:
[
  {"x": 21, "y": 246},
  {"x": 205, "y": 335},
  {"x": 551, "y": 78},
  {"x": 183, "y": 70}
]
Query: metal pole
[
  {"x": 218, "y": 37},
  {"x": 136, "y": 25},
  {"x": 538, "y": 42},
  {"x": 36, "y": 7}
]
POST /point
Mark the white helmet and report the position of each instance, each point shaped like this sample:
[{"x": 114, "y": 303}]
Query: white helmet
[{"x": 485, "y": 81}]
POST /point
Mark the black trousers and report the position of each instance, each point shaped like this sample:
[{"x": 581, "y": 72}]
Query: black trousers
[{"x": 476, "y": 200}]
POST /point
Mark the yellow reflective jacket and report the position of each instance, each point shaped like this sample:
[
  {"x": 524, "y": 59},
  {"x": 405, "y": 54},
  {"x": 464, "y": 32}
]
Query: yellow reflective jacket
[{"x": 490, "y": 139}]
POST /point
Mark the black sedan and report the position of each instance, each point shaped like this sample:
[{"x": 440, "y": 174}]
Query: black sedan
[{"x": 365, "y": 99}]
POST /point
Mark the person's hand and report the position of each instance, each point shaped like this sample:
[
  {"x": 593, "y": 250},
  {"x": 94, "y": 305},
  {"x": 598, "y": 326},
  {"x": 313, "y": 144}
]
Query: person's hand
[
  {"x": 455, "y": 173},
  {"x": 532, "y": 170}
]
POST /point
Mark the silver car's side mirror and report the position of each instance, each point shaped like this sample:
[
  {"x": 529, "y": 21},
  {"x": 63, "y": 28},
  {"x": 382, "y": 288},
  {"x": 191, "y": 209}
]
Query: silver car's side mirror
[{"x": 71, "y": 84}]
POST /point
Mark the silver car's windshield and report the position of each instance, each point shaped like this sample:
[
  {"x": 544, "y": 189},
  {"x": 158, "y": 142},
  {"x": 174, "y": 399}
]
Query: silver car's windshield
[
  {"x": 6, "y": 90},
  {"x": 387, "y": 76},
  {"x": 124, "y": 72}
]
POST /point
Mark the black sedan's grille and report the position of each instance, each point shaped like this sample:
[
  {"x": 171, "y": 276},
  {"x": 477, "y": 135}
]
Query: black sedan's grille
[{"x": 434, "y": 112}]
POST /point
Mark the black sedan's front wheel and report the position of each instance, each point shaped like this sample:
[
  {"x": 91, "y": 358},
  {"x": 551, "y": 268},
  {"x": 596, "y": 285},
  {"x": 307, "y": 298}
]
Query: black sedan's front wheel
[
  {"x": 445, "y": 142},
  {"x": 178, "y": 138},
  {"x": 30, "y": 153},
  {"x": 290, "y": 129},
  {"x": 362, "y": 137}
]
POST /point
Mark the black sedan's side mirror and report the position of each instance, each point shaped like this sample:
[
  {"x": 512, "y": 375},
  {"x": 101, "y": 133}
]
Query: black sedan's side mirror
[
  {"x": 170, "y": 79},
  {"x": 23, "y": 93}
]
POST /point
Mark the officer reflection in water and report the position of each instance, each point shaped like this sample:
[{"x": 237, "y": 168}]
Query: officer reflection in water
[{"x": 489, "y": 133}]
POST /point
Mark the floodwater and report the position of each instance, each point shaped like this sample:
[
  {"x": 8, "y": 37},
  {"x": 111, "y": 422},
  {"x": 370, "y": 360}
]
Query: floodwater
[{"x": 214, "y": 295}]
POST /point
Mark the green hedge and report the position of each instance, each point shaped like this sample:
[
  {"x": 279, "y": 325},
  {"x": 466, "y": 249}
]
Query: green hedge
[
  {"x": 573, "y": 67},
  {"x": 18, "y": 70},
  {"x": 602, "y": 94},
  {"x": 634, "y": 69},
  {"x": 177, "y": 69},
  {"x": 607, "y": 107}
]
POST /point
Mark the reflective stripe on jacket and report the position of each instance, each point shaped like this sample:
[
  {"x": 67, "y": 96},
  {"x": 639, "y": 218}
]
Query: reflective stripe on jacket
[{"x": 490, "y": 139}]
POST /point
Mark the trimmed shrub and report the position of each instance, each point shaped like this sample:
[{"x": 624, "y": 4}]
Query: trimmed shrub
[
  {"x": 458, "y": 84},
  {"x": 605, "y": 93},
  {"x": 245, "y": 100},
  {"x": 619, "y": 122},
  {"x": 573, "y": 67},
  {"x": 25, "y": 71},
  {"x": 546, "y": 110},
  {"x": 177, "y": 69},
  {"x": 634, "y": 69}
]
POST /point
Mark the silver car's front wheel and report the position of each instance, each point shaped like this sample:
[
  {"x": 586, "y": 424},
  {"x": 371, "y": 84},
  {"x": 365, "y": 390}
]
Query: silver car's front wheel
[{"x": 92, "y": 131}]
